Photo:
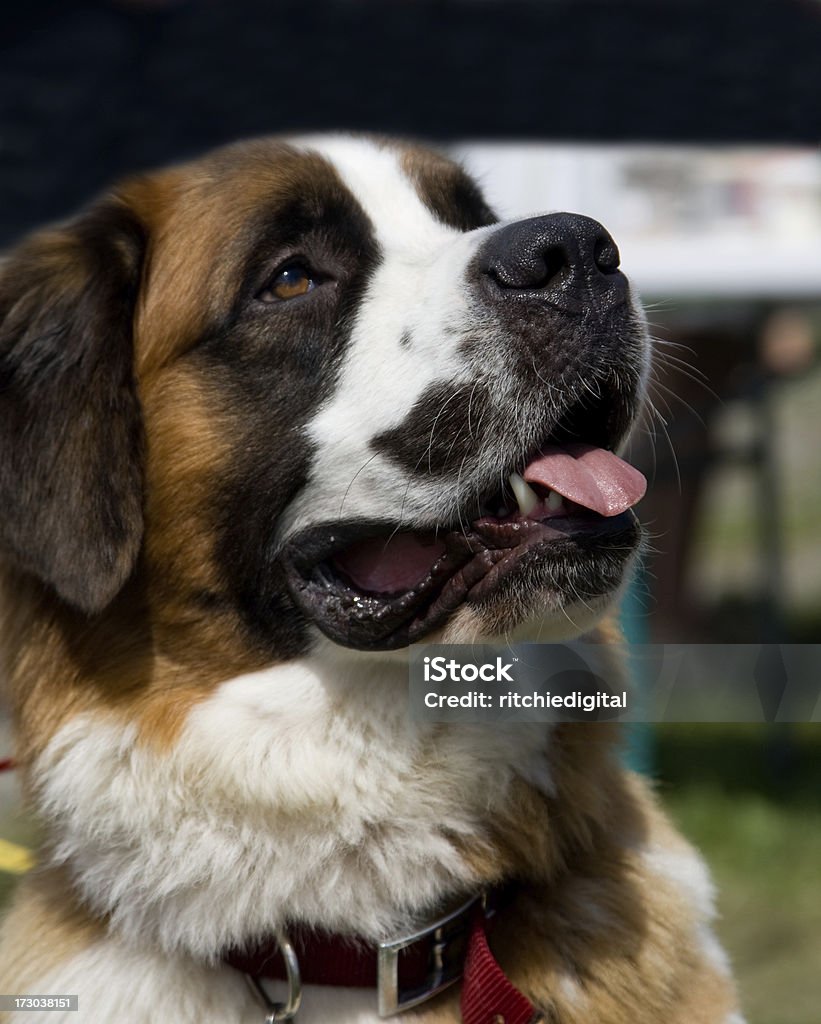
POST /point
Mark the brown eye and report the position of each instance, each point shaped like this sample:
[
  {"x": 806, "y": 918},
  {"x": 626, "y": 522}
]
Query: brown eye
[{"x": 292, "y": 281}]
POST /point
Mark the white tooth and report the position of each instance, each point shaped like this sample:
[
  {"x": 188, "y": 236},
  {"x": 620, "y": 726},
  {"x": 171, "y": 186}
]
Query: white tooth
[
  {"x": 554, "y": 501},
  {"x": 526, "y": 498}
]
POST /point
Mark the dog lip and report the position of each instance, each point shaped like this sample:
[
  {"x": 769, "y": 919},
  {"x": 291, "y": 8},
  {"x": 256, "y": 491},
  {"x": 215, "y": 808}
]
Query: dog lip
[
  {"x": 566, "y": 534},
  {"x": 473, "y": 564},
  {"x": 352, "y": 617},
  {"x": 515, "y": 530}
]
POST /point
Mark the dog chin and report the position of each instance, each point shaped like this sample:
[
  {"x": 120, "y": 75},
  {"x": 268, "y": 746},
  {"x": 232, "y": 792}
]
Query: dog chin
[{"x": 547, "y": 620}]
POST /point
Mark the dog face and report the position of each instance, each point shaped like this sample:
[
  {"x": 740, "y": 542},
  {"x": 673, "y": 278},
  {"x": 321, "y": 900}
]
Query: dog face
[{"x": 315, "y": 388}]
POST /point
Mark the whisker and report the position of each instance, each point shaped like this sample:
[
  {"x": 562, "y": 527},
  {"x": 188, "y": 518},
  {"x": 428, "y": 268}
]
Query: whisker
[{"x": 364, "y": 466}]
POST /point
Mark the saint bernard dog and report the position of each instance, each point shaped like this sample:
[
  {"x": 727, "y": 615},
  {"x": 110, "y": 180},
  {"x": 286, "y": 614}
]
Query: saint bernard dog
[{"x": 266, "y": 419}]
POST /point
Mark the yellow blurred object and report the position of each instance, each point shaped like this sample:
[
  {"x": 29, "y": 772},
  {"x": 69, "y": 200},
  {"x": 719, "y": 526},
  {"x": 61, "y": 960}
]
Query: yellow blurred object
[{"x": 14, "y": 859}]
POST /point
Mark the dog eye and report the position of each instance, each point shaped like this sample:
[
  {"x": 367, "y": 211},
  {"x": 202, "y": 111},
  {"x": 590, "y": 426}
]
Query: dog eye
[{"x": 290, "y": 282}]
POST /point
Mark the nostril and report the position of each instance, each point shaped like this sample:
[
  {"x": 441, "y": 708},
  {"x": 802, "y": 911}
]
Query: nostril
[
  {"x": 555, "y": 260},
  {"x": 533, "y": 270},
  {"x": 606, "y": 254}
]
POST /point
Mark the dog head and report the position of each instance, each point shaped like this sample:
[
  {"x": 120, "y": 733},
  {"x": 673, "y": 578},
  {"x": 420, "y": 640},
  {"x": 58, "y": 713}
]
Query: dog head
[{"x": 314, "y": 388}]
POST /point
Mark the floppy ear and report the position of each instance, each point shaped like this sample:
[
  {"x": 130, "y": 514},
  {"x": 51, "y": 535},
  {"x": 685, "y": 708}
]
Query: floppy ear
[{"x": 70, "y": 429}]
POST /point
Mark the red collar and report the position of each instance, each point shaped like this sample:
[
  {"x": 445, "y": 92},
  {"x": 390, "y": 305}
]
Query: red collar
[{"x": 405, "y": 972}]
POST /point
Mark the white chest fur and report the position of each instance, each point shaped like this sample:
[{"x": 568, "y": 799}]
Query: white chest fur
[{"x": 302, "y": 792}]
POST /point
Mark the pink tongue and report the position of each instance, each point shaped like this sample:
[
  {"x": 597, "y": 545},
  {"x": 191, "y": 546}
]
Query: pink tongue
[
  {"x": 392, "y": 566},
  {"x": 592, "y": 477}
]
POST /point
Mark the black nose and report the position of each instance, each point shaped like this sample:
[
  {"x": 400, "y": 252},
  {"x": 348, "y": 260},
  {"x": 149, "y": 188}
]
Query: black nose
[{"x": 561, "y": 259}]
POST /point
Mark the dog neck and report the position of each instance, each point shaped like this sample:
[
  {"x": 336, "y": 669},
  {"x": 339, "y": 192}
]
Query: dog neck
[{"x": 303, "y": 792}]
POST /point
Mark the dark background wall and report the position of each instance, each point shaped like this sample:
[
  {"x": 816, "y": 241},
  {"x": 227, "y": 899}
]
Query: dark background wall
[{"x": 91, "y": 90}]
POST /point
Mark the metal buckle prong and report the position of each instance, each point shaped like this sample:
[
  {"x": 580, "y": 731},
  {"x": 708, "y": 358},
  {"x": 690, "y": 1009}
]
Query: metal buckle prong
[
  {"x": 390, "y": 999},
  {"x": 276, "y": 1012}
]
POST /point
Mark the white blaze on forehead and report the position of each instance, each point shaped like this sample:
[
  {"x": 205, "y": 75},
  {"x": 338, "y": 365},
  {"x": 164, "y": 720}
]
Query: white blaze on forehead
[
  {"x": 374, "y": 175},
  {"x": 419, "y": 292}
]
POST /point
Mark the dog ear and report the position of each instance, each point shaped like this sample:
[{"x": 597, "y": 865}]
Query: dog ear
[{"x": 70, "y": 428}]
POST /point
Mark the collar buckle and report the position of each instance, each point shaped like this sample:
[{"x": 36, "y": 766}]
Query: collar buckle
[{"x": 447, "y": 937}]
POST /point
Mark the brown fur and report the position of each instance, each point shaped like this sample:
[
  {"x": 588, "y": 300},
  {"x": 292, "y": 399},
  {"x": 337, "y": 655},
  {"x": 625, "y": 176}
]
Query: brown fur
[
  {"x": 135, "y": 658},
  {"x": 623, "y": 938},
  {"x": 42, "y": 930}
]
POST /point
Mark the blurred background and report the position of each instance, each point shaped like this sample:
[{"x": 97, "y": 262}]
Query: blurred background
[{"x": 691, "y": 130}]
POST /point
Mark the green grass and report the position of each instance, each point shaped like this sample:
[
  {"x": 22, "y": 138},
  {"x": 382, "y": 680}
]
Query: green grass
[{"x": 750, "y": 799}]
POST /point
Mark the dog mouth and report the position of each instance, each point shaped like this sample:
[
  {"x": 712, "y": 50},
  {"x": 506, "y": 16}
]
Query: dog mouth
[{"x": 563, "y": 514}]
